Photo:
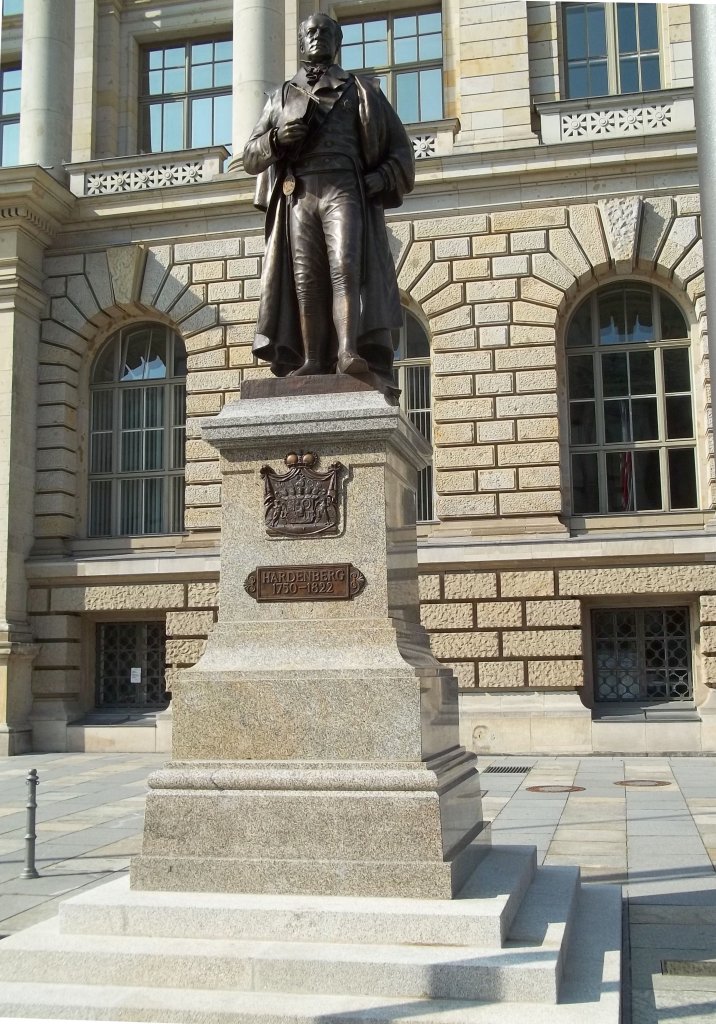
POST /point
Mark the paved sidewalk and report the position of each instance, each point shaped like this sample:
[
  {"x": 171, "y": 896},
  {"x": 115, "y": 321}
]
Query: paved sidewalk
[
  {"x": 656, "y": 836},
  {"x": 89, "y": 822}
]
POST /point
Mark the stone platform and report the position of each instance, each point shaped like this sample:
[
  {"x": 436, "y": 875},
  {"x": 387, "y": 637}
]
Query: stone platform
[{"x": 519, "y": 944}]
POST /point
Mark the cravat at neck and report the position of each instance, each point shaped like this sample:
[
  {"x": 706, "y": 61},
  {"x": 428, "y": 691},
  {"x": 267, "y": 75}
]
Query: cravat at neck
[{"x": 314, "y": 72}]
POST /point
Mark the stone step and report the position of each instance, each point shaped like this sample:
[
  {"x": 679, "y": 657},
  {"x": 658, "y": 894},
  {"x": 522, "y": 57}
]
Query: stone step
[
  {"x": 463, "y": 972},
  {"x": 590, "y": 993},
  {"x": 75, "y": 1002},
  {"x": 480, "y": 916},
  {"x": 529, "y": 964}
]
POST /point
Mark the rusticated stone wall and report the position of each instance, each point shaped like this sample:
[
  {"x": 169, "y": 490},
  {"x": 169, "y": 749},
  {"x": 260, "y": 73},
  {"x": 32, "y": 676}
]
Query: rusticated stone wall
[
  {"x": 526, "y": 629},
  {"x": 494, "y": 291},
  {"x": 498, "y": 630},
  {"x": 56, "y": 615}
]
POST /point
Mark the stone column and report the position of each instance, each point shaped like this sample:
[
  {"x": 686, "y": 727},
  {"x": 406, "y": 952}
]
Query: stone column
[
  {"x": 109, "y": 56},
  {"x": 48, "y": 49},
  {"x": 703, "y": 32},
  {"x": 85, "y": 81},
  {"x": 29, "y": 215},
  {"x": 703, "y": 27},
  {"x": 21, "y": 305},
  {"x": 258, "y": 64}
]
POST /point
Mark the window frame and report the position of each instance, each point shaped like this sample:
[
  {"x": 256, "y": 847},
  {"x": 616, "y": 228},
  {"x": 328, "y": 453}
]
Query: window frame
[
  {"x": 172, "y": 477},
  {"x": 640, "y": 608},
  {"x": 391, "y": 70},
  {"x": 425, "y": 494},
  {"x": 612, "y": 52},
  {"x": 602, "y": 447},
  {"x": 9, "y": 119},
  {"x": 146, "y": 100},
  {"x": 141, "y": 627}
]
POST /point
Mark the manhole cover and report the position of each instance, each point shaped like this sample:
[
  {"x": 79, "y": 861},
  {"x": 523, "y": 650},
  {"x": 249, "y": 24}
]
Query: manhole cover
[
  {"x": 555, "y": 789},
  {"x": 646, "y": 783}
]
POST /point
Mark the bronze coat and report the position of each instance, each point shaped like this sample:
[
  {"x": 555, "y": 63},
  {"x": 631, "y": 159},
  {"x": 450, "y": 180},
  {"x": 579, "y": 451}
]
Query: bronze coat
[{"x": 385, "y": 146}]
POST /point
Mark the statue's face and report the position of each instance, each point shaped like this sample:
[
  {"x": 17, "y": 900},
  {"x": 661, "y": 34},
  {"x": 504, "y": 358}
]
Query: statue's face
[{"x": 318, "y": 39}]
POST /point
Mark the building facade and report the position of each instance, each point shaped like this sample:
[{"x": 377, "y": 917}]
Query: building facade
[{"x": 554, "y": 350}]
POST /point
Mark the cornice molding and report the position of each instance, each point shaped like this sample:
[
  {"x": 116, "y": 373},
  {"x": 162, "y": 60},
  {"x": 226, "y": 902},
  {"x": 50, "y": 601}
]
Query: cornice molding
[
  {"x": 19, "y": 214},
  {"x": 514, "y": 178},
  {"x": 34, "y": 201}
]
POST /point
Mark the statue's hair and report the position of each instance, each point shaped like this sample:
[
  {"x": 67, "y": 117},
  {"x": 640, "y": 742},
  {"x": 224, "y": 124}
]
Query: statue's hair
[{"x": 337, "y": 30}]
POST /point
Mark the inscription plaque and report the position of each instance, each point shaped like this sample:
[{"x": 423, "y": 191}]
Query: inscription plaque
[{"x": 336, "y": 582}]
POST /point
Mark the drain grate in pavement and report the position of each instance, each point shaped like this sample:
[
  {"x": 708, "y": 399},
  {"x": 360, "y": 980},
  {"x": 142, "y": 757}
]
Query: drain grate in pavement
[{"x": 507, "y": 769}]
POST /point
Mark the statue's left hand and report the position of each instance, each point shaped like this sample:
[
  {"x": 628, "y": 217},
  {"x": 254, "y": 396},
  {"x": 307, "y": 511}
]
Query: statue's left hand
[{"x": 373, "y": 183}]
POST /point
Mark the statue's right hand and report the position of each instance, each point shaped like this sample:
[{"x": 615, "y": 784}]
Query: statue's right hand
[{"x": 291, "y": 134}]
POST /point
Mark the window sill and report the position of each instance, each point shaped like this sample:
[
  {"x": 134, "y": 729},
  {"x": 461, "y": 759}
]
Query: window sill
[
  {"x": 638, "y": 521},
  {"x": 145, "y": 558},
  {"x": 633, "y": 115},
  {"x": 102, "y": 546},
  {"x": 645, "y": 711}
]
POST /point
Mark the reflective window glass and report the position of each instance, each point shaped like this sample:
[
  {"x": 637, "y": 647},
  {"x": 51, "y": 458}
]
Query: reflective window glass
[
  {"x": 610, "y": 48},
  {"x": 186, "y": 96},
  {"x": 137, "y": 427},
  {"x": 403, "y": 50},
  {"x": 631, "y": 407},
  {"x": 10, "y": 80},
  {"x": 411, "y": 372}
]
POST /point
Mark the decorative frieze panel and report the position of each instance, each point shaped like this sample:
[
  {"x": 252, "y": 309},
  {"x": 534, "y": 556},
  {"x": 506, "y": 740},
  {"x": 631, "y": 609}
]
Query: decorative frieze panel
[
  {"x": 591, "y": 124},
  {"x": 137, "y": 178},
  {"x": 617, "y": 117},
  {"x": 137, "y": 174}
]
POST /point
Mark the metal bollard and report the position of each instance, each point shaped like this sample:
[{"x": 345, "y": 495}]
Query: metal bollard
[{"x": 30, "y": 871}]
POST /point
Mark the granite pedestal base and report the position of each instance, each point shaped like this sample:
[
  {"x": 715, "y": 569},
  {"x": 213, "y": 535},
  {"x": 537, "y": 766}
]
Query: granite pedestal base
[
  {"x": 315, "y": 743},
  {"x": 349, "y": 829}
]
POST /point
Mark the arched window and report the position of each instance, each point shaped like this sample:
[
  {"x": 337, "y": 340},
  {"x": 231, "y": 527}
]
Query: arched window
[
  {"x": 631, "y": 418},
  {"x": 412, "y": 375},
  {"x": 137, "y": 414}
]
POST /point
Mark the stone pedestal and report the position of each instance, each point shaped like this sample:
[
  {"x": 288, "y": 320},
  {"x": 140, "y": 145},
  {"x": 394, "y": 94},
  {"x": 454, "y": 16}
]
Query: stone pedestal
[{"x": 315, "y": 745}]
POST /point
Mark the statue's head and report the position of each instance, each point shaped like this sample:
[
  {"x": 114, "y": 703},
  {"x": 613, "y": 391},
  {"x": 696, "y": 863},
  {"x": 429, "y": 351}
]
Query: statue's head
[{"x": 319, "y": 38}]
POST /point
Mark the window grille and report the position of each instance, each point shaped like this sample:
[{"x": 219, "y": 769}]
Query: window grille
[
  {"x": 185, "y": 96},
  {"x": 137, "y": 434},
  {"x": 412, "y": 375},
  {"x": 611, "y": 48},
  {"x": 131, "y": 659},
  {"x": 632, "y": 431},
  {"x": 642, "y": 654},
  {"x": 10, "y": 83},
  {"x": 405, "y": 52}
]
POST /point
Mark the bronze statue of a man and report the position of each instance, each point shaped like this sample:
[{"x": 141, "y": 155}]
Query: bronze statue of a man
[{"x": 331, "y": 154}]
